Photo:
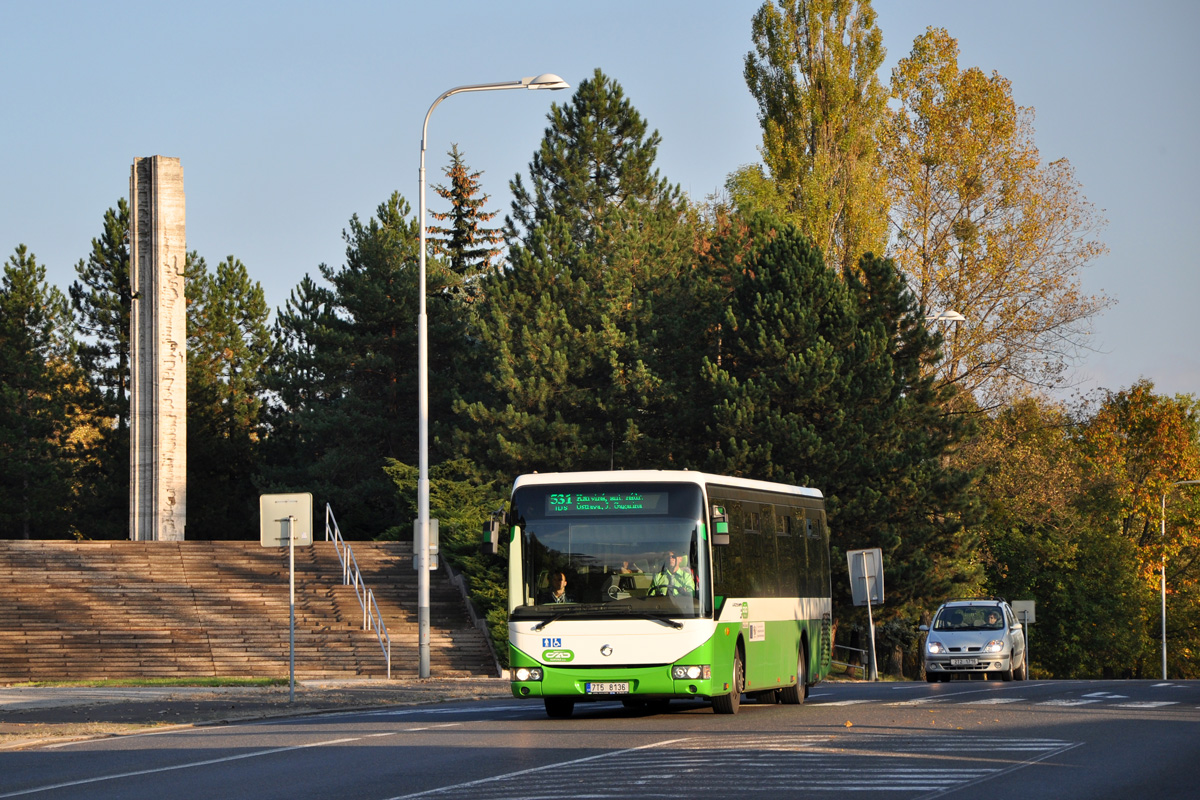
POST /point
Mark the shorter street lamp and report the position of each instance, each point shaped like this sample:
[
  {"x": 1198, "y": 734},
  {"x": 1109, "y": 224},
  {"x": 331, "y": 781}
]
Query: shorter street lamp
[
  {"x": 946, "y": 316},
  {"x": 1164, "y": 573}
]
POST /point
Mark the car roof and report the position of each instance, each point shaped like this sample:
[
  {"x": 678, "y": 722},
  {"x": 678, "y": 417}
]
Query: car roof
[{"x": 971, "y": 603}]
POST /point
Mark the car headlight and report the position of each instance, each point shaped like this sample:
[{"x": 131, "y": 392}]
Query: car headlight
[
  {"x": 994, "y": 646},
  {"x": 529, "y": 673},
  {"x": 935, "y": 647},
  {"x": 702, "y": 671}
]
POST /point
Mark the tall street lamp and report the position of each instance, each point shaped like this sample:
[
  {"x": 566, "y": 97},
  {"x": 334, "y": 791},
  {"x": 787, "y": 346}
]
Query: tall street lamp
[
  {"x": 421, "y": 545},
  {"x": 1163, "y": 533}
]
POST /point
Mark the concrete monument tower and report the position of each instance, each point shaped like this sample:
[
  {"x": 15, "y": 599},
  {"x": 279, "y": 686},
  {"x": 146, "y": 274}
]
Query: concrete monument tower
[{"x": 158, "y": 341}]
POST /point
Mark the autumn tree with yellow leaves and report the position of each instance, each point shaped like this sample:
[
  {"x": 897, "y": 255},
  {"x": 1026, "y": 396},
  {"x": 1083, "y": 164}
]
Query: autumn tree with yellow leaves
[
  {"x": 814, "y": 72},
  {"x": 982, "y": 227}
]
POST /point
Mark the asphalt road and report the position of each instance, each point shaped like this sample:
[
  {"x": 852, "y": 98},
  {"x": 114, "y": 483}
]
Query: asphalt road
[{"x": 1060, "y": 739}]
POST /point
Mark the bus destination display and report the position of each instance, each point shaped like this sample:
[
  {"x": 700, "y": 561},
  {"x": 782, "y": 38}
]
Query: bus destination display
[{"x": 606, "y": 502}]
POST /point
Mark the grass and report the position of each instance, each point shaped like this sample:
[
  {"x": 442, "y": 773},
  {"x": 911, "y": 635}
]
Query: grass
[{"x": 160, "y": 682}]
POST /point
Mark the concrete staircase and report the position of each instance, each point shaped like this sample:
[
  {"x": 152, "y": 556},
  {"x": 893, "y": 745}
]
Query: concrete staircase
[{"x": 76, "y": 610}]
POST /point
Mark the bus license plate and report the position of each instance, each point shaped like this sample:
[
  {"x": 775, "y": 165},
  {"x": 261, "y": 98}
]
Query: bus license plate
[
  {"x": 607, "y": 688},
  {"x": 963, "y": 662}
]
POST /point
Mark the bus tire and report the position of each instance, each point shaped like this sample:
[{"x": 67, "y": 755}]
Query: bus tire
[
  {"x": 730, "y": 703},
  {"x": 559, "y": 707},
  {"x": 794, "y": 695}
]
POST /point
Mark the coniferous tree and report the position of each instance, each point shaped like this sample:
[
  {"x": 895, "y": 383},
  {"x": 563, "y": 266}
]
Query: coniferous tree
[
  {"x": 820, "y": 384},
  {"x": 302, "y": 382},
  {"x": 228, "y": 346},
  {"x": 569, "y": 335},
  {"x": 101, "y": 298},
  {"x": 355, "y": 341},
  {"x": 596, "y": 158},
  {"x": 466, "y": 243},
  {"x": 42, "y": 400}
]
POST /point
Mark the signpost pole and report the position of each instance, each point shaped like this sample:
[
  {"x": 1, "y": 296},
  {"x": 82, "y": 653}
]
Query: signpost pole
[
  {"x": 870, "y": 618},
  {"x": 290, "y": 523}
]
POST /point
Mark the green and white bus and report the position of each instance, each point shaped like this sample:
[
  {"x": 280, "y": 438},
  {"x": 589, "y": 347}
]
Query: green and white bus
[{"x": 678, "y": 584}]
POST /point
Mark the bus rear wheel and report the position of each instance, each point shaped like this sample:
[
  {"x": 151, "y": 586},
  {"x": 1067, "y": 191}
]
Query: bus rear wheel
[
  {"x": 794, "y": 695},
  {"x": 730, "y": 703}
]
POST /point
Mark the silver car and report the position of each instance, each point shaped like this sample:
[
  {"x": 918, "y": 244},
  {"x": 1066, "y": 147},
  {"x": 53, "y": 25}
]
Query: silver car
[{"x": 975, "y": 637}]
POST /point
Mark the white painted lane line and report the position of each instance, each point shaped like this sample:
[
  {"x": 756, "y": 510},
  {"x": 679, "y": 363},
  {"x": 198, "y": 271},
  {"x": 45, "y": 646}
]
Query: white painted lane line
[
  {"x": 1067, "y": 702},
  {"x": 993, "y": 701},
  {"x": 847, "y": 702},
  {"x": 211, "y": 761},
  {"x": 1148, "y": 704},
  {"x": 544, "y": 767}
]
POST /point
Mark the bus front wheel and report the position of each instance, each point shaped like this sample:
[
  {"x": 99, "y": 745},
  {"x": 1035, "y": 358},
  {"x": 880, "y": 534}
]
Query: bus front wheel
[
  {"x": 730, "y": 703},
  {"x": 559, "y": 707}
]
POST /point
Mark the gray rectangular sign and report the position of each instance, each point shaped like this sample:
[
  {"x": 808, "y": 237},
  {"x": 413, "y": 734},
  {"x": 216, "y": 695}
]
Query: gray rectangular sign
[{"x": 272, "y": 508}]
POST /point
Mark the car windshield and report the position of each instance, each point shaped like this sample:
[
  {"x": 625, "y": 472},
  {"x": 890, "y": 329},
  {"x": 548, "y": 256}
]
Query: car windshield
[
  {"x": 969, "y": 618},
  {"x": 609, "y": 550}
]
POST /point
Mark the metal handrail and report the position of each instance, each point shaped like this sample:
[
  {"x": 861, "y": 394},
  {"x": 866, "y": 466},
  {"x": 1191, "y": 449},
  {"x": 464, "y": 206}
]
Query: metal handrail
[
  {"x": 351, "y": 575},
  {"x": 846, "y": 664}
]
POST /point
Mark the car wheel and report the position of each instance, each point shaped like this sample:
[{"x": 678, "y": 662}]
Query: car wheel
[
  {"x": 1023, "y": 673},
  {"x": 1007, "y": 674},
  {"x": 730, "y": 703}
]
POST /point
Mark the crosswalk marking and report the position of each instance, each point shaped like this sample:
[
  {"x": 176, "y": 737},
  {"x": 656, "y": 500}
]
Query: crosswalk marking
[{"x": 827, "y": 765}]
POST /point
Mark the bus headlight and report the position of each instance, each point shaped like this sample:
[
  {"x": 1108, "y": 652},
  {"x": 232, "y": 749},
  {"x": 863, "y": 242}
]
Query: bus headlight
[
  {"x": 528, "y": 673},
  {"x": 698, "y": 672}
]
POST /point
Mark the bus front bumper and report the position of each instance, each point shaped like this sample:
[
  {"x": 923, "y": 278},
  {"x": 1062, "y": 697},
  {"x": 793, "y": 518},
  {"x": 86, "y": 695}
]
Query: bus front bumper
[{"x": 610, "y": 683}]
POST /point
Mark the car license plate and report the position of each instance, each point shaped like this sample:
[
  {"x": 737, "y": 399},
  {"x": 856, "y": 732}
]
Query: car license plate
[
  {"x": 607, "y": 688},
  {"x": 963, "y": 662}
]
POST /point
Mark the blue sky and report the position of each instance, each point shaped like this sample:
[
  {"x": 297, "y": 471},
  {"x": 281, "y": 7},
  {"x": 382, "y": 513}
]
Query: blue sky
[{"x": 289, "y": 117}]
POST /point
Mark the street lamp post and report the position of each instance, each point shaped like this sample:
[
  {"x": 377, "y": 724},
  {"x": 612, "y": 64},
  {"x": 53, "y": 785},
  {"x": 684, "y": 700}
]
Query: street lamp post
[
  {"x": 1163, "y": 534},
  {"x": 421, "y": 545}
]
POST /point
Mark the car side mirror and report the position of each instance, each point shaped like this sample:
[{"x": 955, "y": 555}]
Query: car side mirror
[{"x": 923, "y": 628}]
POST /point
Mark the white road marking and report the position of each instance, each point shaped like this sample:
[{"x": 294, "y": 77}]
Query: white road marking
[
  {"x": 556, "y": 765},
  {"x": 211, "y": 761},
  {"x": 993, "y": 701}
]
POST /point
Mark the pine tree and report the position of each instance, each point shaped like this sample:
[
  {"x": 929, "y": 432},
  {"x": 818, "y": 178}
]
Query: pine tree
[
  {"x": 354, "y": 343},
  {"x": 228, "y": 346},
  {"x": 596, "y": 158},
  {"x": 467, "y": 244},
  {"x": 820, "y": 384},
  {"x": 569, "y": 336},
  {"x": 101, "y": 299},
  {"x": 42, "y": 399}
]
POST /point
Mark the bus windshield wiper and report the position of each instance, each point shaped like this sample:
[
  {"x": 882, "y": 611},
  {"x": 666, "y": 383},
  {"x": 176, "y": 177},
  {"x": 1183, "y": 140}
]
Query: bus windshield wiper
[
  {"x": 588, "y": 610},
  {"x": 658, "y": 618},
  {"x": 569, "y": 612}
]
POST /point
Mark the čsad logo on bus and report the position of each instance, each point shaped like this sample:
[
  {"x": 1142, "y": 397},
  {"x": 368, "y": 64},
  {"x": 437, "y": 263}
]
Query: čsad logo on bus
[{"x": 557, "y": 655}]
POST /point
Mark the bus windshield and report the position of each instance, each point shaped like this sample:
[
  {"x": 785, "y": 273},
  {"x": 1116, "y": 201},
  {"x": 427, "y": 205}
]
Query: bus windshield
[{"x": 612, "y": 550}]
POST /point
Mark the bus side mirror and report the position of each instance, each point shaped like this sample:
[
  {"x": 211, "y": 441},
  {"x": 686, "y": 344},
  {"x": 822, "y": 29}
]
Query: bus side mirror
[
  {"x": 720, "y": 523},
  {"x": 490, "y": 546}
]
